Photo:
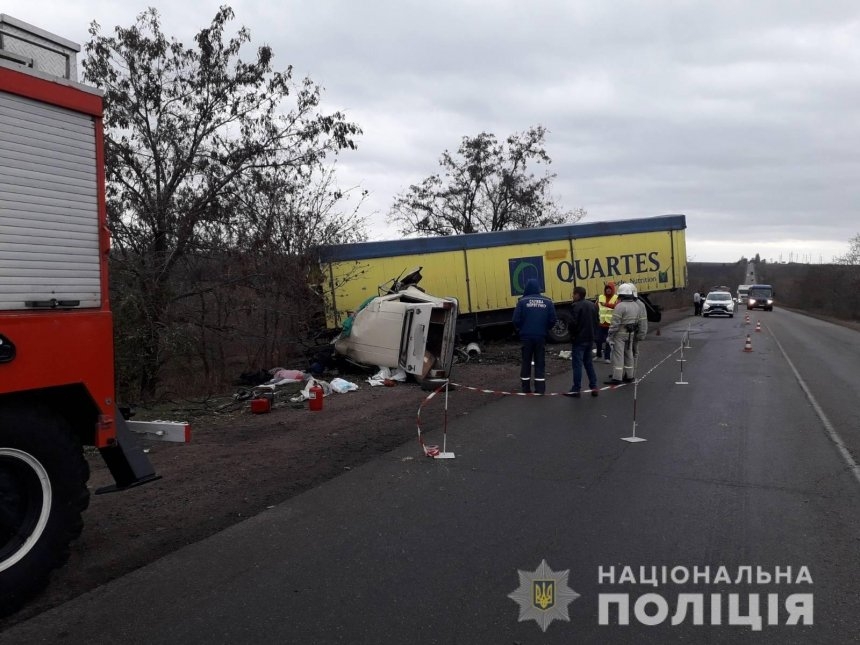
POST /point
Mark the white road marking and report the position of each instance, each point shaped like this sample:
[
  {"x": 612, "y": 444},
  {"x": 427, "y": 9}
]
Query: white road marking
[{"x": 831, "y": 431}]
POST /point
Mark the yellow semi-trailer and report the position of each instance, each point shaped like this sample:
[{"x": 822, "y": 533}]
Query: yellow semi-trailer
[{"x": 486, "y": 272}]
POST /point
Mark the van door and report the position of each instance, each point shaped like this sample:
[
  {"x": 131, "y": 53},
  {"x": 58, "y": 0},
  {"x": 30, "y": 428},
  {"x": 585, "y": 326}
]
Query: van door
[{"x": 413, "y": 338}]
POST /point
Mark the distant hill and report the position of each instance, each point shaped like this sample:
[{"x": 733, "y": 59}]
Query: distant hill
[{"x": 825, "y": 289}]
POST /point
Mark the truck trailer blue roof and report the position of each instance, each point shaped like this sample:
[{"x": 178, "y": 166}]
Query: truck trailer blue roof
[{"x": 419, "y": 245}]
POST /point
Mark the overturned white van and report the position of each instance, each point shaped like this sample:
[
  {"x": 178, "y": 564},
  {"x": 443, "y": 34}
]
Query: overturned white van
[{"x": 406, "y": 328}]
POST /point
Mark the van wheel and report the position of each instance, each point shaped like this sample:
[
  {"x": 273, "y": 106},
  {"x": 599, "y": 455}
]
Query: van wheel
[
  {"x": 560, "y": 333},
  {"x": 433, "y": 384},
  {"x": 43, "y": 492}
]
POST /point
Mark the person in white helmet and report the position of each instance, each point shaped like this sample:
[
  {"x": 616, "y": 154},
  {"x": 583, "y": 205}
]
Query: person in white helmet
[{"x": 623, "y": 331}]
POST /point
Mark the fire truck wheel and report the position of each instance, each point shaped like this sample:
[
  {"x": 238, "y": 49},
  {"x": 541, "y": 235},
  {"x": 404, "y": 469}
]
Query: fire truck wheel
[
  {"x": 560, "y": 333},
  {"x": 43, "y": 492}
]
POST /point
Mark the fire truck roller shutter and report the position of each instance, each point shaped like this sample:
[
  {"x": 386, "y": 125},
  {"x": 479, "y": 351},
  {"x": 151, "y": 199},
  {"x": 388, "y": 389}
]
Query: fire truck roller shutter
[{"x": 49, "y": 220}]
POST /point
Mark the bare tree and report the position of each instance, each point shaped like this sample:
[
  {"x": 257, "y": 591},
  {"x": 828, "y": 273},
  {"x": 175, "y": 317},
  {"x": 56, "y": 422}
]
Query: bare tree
[
  {"x": 485, "y": 186},
  {"x": 853, "y": 254},
  {"x": 184, "y": 128}
]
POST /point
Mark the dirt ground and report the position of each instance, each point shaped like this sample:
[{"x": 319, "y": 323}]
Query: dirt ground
[{"x": 239, "y": 463}]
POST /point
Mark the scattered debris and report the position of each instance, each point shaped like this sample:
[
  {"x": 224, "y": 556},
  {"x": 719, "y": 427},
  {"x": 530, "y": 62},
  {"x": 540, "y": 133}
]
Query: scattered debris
[
  {"x": 342, "y": 386},
  {"x": 387, "y": 374}
]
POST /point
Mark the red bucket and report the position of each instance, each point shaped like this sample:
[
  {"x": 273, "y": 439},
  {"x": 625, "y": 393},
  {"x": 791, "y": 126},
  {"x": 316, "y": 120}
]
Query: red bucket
[{"x": 259, "y": 406}]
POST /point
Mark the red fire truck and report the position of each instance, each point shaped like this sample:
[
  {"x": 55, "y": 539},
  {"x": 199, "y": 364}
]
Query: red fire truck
[{"x": 56, "y": 333}]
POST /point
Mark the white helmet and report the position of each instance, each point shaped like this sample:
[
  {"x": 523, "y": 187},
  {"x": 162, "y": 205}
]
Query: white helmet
[
  {"x": 626, "y": 289},
  {"x": 635, "y": 292}
]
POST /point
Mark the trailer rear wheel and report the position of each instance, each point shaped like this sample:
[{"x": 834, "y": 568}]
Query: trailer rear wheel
[
  {"x": 560, "y": 333},
  {"x": 43, "y": 492}
]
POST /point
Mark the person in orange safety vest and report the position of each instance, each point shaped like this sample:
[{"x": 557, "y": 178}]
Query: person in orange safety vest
[{"x": 605, "y": 304}]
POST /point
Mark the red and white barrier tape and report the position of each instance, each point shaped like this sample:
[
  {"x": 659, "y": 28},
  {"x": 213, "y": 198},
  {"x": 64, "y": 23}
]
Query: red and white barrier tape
[
  {"x": 429, "y": 451},
  {"x": 432, "y": 451}
]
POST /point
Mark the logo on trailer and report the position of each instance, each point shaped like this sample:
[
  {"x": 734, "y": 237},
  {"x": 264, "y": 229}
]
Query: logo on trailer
[{"x": 521, "y": 270}]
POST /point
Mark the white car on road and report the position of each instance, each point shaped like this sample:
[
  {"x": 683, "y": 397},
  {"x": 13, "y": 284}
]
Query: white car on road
[{"x": 719, "y": 302}]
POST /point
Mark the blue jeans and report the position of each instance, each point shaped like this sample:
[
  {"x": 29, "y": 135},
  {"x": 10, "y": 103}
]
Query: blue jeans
[{"x": 581, "y": 355}]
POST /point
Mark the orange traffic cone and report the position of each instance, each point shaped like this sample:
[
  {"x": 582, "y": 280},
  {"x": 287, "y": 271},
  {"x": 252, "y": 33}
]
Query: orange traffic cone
[
  {"x": 748, "y": 344},
  {"x": 747, "y": 321},
  {"x": 758, "y": 325}
]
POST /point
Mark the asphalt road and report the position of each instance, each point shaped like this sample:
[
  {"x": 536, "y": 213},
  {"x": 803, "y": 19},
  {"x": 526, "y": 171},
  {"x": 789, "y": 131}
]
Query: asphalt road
[{"x": 740, "y": 469}]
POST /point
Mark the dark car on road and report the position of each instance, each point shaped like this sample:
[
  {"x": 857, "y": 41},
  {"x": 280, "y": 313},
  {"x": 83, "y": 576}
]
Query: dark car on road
[{"x": 760, "y": 297}]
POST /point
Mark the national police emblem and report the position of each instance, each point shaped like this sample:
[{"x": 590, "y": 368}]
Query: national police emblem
[{"x": 543, "y": 595}]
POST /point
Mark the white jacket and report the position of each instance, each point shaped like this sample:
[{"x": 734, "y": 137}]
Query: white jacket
[{"x": 627, "y": 313}]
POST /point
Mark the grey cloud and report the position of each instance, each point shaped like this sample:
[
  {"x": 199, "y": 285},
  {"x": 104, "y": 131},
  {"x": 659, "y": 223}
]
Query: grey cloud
[{"x": 741, "y": 114}]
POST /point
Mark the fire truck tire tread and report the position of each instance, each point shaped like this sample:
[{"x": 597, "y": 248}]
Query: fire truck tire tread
[{"x": 46, "y": 439}]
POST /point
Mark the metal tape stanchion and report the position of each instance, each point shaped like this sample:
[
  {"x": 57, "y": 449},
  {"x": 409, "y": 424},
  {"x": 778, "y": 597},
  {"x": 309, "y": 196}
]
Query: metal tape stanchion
[
  {"x": 682, "y": 361},
  {"x": 633, "y": 438},
  {"x": 445, "y": 454}
]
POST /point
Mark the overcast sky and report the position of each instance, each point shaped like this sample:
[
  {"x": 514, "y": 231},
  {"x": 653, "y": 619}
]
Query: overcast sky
[{"x": 745, "y": 116}]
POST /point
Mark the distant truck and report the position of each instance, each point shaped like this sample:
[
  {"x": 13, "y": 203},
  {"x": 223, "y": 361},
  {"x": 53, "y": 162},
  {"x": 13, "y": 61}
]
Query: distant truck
[
  {"x": 487, "y": 272},
  {"x": 760, "y": 297},
  {"x": 742, "y": 294}
]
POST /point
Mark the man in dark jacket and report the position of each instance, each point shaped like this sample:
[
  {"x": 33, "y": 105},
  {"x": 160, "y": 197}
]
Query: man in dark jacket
[
  {"x": 585, "y": 321},
  {"x": 534, "y": 316}
]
